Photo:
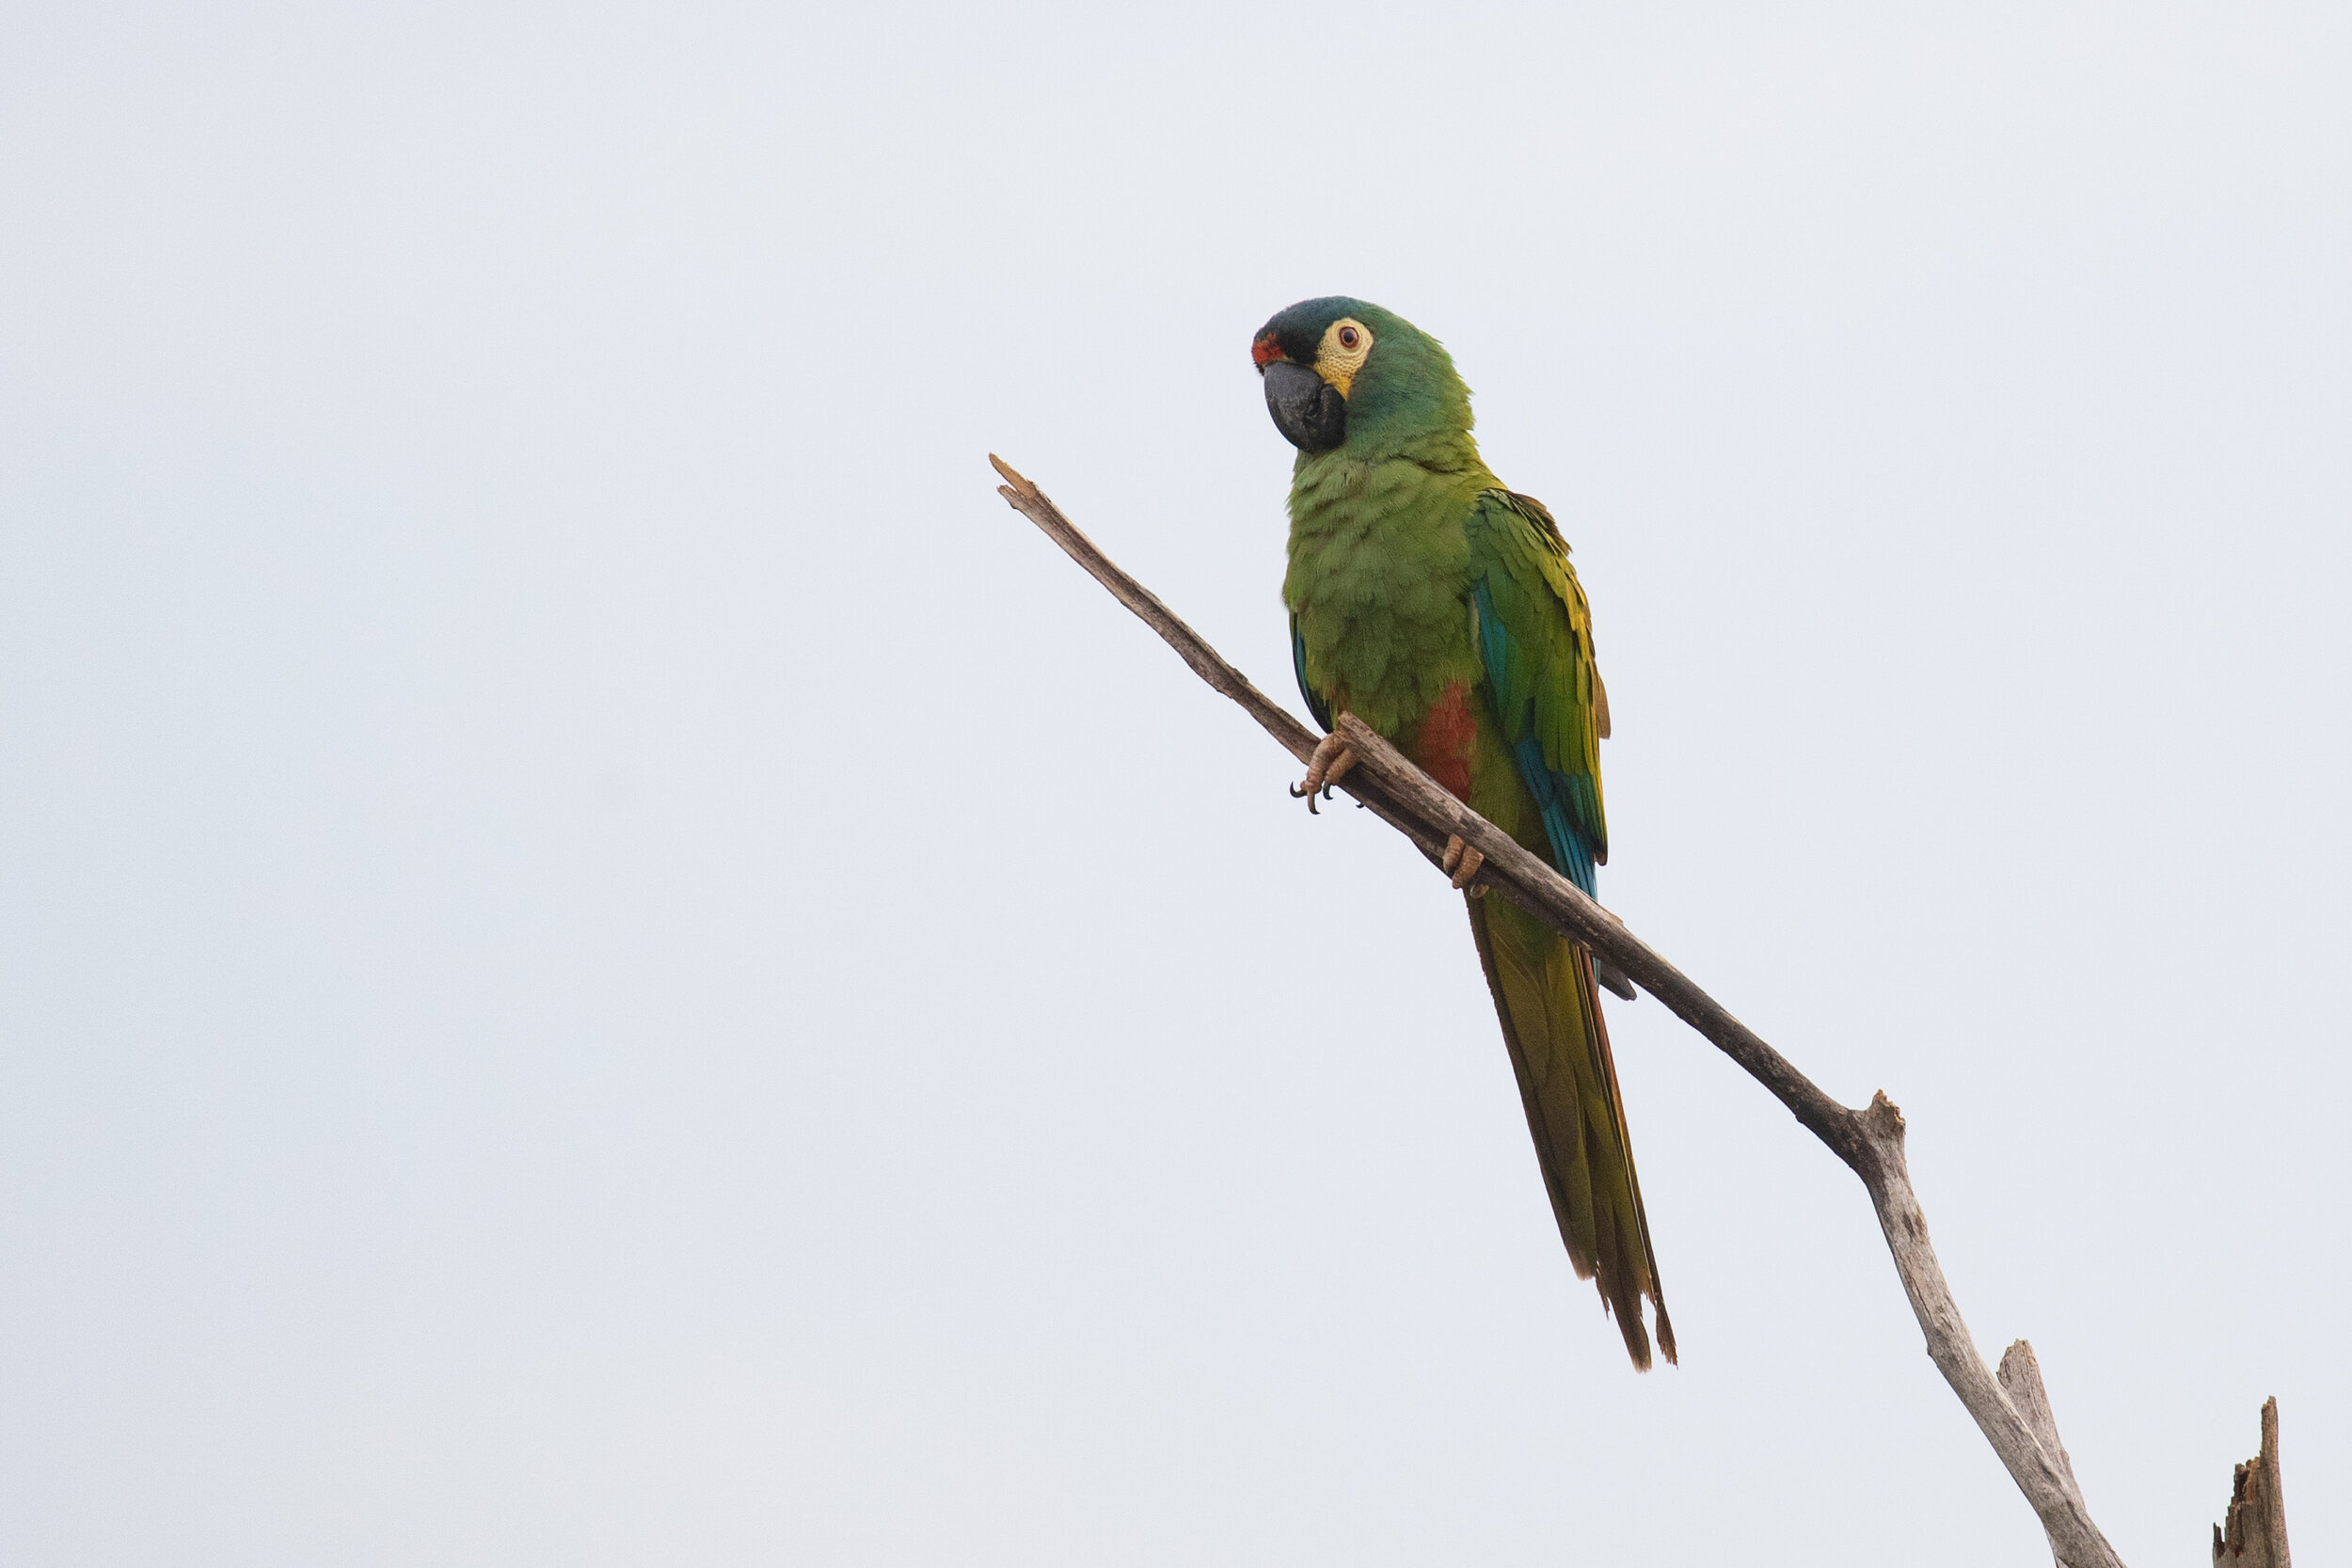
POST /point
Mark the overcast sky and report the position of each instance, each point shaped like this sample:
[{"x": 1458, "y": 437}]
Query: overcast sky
[{"x": 605, "y": 960}]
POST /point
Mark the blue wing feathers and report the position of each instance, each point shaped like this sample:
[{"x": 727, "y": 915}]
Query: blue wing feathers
[
  {"x": 1568, "y": 850},
  {"x": 1561, "y": 798}
]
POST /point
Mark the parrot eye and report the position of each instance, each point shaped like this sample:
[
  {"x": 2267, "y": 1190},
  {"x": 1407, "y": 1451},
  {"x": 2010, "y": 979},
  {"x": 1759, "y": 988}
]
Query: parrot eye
[{"x": 1346, "y": 344}]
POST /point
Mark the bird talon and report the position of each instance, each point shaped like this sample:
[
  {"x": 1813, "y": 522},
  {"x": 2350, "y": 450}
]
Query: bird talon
[
  {"x": 1331, "y": 758},
  {"x": 1461, "y": 863}
]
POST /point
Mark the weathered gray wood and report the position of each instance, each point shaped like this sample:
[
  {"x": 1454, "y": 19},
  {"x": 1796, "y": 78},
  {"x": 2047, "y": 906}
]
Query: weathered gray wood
[
  {"x": 1869, "y": 1141},
  {"x": 2043, "y": 1475},
  {"x": 2020, "y": 1376},
  {"x": 1529, "y": 880},
  {"x": 1204, "y": 661},
  {"x": 2021, "y": 1379},
  {"x": 2253, "y": 1534}
]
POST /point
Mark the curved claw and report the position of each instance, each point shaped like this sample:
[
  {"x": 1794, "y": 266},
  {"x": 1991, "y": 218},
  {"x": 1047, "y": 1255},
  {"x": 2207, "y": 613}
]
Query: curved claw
[{"x": 1332, "y": 757}]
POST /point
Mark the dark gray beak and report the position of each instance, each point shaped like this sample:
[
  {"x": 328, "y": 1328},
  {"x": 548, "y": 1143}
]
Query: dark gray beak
[{"x": 1306, "y": 409}]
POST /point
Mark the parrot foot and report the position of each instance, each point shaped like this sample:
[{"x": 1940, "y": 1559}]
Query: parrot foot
[
  {"x": 1461, "y": 863},
  {"x": 1332, "y": 757}
]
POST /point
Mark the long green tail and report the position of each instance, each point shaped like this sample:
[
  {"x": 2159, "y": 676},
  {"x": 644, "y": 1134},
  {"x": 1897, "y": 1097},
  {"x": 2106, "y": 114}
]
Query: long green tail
[{"x": 1545, "y": 996}]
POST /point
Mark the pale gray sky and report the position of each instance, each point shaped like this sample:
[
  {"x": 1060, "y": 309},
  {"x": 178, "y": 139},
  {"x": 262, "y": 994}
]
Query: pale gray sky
[{"x": 605, "y": 960}]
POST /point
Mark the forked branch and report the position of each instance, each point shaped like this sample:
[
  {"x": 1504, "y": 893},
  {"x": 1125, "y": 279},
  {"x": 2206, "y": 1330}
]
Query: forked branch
[{"x": 2011, "y": 1409}]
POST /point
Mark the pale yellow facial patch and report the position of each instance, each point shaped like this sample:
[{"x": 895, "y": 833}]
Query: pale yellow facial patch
[{"x": 1336, "y": 360}]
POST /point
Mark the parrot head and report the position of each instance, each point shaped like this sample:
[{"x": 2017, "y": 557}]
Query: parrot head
[{"x": 1340, "y": 371}]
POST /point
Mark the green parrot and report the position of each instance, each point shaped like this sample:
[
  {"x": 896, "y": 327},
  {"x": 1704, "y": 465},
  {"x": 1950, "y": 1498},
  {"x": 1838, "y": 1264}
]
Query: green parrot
[{"x": 1440, "y": 610}]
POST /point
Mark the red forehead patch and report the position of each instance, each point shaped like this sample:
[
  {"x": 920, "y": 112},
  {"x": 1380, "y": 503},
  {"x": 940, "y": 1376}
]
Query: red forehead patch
[{"x": 1264, "y": 351}]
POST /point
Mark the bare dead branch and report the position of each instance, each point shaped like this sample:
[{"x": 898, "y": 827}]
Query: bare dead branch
[
  {"x": 1204, "y": 662},
  {"x": 2021, "y": 1380},
  {"x": 2253, "y": 1534},
  {"x": 2012, "y": 1411},
  {"x": 2020, "y": 1376}
]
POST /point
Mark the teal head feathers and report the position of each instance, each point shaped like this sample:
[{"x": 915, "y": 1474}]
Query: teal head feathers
[{"x": 1344, "y": 374}]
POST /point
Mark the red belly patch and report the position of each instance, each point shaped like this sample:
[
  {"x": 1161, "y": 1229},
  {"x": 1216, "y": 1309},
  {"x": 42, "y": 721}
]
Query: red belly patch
[{"x": 1443, "y": 748}]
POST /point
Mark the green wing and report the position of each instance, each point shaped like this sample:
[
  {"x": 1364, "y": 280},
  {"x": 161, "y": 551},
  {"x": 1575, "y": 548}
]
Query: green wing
[{"x": 1536, "y": 639}]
